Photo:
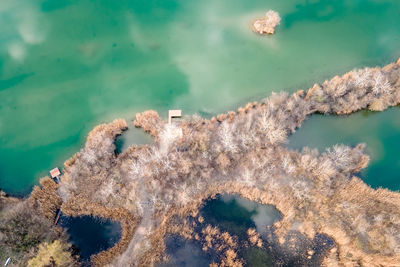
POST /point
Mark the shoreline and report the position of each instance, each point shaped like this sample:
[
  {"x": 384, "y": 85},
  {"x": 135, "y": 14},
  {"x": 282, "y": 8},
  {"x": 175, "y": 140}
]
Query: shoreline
[
  {"x": 200, "y": 158},
  {"x": 322, "y": 98}
]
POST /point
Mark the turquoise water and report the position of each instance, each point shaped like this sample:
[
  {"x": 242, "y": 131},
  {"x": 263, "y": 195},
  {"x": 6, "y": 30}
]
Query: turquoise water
[
  {"x": 380, "y": 131},
  {"x": 132, "y": 136},
  {"x": 68, "y": 65}
]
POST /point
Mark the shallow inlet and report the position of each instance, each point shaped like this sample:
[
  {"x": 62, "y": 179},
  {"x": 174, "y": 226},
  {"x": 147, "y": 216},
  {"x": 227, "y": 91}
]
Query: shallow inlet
[
  {"x": 130, "y": 137},
  {"x": 379, "y": 130},
  {"x": 91, "y": 235}
]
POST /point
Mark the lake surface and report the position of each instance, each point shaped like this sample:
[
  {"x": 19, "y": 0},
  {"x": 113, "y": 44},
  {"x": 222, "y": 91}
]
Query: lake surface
[
  {"x": 380, "y": 131},
  {"x": 68, "y": 65}
]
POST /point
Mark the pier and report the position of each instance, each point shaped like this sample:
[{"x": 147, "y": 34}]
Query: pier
[
  {"x": 174, "y": 113},
  {"x": 55, "y": 174}
]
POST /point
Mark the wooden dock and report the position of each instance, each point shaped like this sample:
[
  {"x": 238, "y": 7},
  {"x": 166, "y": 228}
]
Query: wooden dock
[
  {"x": 55, "y": 174},
  {"x": 174, "y": 113}
]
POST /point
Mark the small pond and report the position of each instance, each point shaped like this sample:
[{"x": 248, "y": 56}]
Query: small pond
[
  {"x": 91, "y": 235},
  {"x": 130, "y": 137},
  {"x": 235, "y": 215}
]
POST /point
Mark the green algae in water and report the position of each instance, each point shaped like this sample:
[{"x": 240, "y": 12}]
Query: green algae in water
[
  {"x": 380, "y": 131},
  {"x": 69, "y": 65}
]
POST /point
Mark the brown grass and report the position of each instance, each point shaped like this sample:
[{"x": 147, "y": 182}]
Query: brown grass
[
  {"x": 242, "y": 152},
  {"x": 46, "y": 197},
  {"x": 79, "y": 207}
]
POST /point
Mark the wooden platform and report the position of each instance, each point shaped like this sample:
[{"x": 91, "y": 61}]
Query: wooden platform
[{"x": 174, "y": 113}]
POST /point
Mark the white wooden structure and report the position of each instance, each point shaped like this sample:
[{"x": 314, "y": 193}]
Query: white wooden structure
[
  {"x": 174, "y": 113},
  {"x": 55, "y": 173}
]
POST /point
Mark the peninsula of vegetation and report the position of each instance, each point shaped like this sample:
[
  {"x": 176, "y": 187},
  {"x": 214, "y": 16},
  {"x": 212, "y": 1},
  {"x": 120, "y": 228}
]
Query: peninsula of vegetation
[{"x": 153, "y": 189}]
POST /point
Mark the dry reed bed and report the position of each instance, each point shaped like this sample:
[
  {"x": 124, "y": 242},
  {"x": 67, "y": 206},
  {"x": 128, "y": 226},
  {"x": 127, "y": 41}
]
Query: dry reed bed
[
  {"x": 79, "y": 207},
  {"x": 243, "y": 152},
  {"x": 28, "y": 224}
]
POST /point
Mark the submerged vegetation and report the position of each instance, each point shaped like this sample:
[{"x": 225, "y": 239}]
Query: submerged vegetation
[{"x": 148, "y": 188}]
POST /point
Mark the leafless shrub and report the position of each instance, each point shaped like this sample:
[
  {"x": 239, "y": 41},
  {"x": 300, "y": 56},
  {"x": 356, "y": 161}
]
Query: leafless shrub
[{"x": 241, "y": 152}]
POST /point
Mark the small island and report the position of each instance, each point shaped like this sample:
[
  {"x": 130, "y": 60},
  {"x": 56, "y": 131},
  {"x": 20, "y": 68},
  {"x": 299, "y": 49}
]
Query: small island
[{"x": 267, "y": 24}]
